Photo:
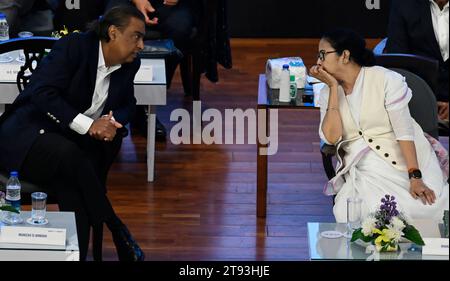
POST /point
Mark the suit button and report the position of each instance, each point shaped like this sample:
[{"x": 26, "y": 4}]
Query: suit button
[
  {"x": 370, "y": 140},
  {"x": 41, "y": 131},
  {"x": 378, "y": 147},
  {"x": 57, "y": 121},
  {"x": 386, "y": 155},
  {"x": 394, "y": 163},
  {"x": 360, "y": 133}
]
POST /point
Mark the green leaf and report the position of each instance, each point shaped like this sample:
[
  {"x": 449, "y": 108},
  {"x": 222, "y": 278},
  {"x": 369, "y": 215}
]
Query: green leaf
[
  {"x": 413, "y": 235},
  {"x": 9, "y": 209},
  {"x": 357, "y": 234}
]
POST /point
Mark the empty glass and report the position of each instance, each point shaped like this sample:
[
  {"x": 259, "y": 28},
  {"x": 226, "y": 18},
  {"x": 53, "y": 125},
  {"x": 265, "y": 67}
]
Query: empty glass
[
  {"x": 353, "y": 214},
  {"x": 23, "y": 34},
  {"x": 38, "y": 208}
]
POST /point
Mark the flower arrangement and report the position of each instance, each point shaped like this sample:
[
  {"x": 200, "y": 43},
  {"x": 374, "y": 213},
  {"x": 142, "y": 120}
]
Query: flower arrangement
[
  {"x": 386, "y": 227},
  {"x": 4, "y": 206},
  {"x": 62, "y": 32}
]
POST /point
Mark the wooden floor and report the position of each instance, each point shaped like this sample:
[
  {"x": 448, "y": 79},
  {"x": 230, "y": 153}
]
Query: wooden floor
[{"x": 202, "y": 205}]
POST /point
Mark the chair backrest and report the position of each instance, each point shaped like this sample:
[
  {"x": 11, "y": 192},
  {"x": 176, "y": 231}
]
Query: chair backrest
[
  {"x": 34, "y": 49},
  {"x": 423, "y": 105},
  {"x": 425, "y": 68}
]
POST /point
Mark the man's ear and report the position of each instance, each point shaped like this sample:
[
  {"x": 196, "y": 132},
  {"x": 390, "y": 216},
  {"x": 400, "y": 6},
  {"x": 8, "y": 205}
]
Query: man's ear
[{"x": 112, "y": 32}]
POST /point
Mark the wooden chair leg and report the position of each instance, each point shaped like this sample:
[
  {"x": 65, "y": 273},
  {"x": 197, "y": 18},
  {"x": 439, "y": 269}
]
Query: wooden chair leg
[
  {"x": 97, "y": 243},
  {"x": 196, "y": 76},
  {"x": 186, "y": 74}
]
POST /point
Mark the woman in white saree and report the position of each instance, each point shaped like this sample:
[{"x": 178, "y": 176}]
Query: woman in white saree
[{"x": 381, "y": 149}]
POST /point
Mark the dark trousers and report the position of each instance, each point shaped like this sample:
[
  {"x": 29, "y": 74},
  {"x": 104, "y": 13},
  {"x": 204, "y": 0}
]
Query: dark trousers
[{"x": 74, "y": 168}]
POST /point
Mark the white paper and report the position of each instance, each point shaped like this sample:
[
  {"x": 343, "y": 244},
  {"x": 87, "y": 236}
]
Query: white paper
[
  {"x": 435, "y": 247},
  {"x": 145, "y": 74},
  {"x": 33, "y": 235}
]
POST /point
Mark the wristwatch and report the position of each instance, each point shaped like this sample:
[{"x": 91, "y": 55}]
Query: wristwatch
[{"x": 414, "y": 174}]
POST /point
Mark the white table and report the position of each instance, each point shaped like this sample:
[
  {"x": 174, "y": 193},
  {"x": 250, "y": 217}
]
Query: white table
[
  {"x": 150, "y": 92},
  {"x": 32, "y": 252}
]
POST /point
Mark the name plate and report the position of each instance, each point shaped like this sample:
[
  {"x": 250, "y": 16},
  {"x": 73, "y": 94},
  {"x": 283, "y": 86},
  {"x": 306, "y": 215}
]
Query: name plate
[
  {"x": 8, "y": 72},
  {"x": 435, "y": 247},
  {"x": 33, "y": 235},
  {"x": 144, "y": 74}
]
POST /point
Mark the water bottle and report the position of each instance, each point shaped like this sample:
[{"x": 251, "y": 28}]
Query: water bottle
[
  {"x": 284, "y": 84},
  {"x": 293, "y": 88},
  {"x": 13, "y": 198},
  {"x": 4, "y": 36}
]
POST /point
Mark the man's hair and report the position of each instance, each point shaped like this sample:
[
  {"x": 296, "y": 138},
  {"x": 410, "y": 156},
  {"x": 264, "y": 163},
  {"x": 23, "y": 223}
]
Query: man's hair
[{"x": 118, "y": 16}]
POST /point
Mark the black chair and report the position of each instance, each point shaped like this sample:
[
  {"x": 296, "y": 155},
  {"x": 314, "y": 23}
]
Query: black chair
[
  {"x": 35, "y": 48},
  {"x": 423, "y": 107}
]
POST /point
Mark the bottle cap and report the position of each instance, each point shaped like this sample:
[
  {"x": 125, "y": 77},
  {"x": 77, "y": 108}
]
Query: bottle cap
[
  {"x": 292, "y": 77},
  {"x": 14, "y": 174},
  {"x": 285, "y": 66},
  {"x": 2, "y": 16}
]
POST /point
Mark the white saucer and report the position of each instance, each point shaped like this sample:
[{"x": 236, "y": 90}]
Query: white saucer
[
  {"x": 5, "y": 59},
  {"x": 331, "y": 234},
  {"x": 36, "y": 223}
]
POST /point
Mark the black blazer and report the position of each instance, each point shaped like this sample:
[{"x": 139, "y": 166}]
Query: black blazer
[
  {"x": 411, "y": 31},
  {"x": 62, "y": 87}
]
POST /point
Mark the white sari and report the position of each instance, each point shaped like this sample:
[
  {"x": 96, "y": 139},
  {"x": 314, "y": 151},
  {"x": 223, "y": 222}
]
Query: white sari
[{"x": 370, "y": 177}]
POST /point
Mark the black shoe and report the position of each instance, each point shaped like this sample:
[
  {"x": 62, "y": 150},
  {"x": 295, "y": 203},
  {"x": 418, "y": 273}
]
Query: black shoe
[{"x": 126, "y": 246}]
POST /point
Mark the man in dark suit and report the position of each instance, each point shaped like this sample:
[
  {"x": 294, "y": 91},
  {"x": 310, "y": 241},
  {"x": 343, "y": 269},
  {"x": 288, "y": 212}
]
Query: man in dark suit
[
  {"x": 420, "y": 27},
  {"x": 65, "y": 128}
]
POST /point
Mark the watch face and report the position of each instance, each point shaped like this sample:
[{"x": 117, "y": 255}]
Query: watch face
[{"x": 416, "y": 174}]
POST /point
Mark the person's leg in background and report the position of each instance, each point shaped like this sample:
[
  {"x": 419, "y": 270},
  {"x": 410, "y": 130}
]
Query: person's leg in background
[{"x": 13, "y": 9}]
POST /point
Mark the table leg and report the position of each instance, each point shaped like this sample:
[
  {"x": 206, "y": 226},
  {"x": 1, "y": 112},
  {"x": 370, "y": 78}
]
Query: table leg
[
  {"x": 261, "y": 170},
  {"x": 2, "y": 109},
  {"x": 151, "y": 126}
]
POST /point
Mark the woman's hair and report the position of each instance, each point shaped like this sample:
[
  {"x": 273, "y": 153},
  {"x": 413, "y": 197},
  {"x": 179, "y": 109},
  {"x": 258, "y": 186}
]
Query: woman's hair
[
  {"x": 345, "y": 39},
  {"x": 118, "y": 16}
]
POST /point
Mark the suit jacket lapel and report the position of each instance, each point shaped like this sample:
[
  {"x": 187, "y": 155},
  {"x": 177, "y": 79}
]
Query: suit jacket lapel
[{"x": 92, "y": 72}]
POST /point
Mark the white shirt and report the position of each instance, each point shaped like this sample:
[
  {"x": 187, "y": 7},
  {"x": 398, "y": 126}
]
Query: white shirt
[
  {"x": 82, "y": 122},
  {"x": 396, "y": 104},
  {"x": 440, "y": 26}
]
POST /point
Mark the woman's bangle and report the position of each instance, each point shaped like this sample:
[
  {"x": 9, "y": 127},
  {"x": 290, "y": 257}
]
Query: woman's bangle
[{"x": 332, "y": 108}]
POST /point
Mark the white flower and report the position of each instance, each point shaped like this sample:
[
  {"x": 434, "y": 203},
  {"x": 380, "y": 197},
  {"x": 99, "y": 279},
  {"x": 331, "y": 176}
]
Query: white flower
[
  {"x": 393, "y": 234},
  {"x": 397, "y": 223},
  {"x": 368, "y": 225}
]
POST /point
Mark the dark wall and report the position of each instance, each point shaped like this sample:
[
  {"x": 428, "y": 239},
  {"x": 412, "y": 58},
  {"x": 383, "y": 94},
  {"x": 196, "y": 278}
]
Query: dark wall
[{"x": 305, "y": 18}]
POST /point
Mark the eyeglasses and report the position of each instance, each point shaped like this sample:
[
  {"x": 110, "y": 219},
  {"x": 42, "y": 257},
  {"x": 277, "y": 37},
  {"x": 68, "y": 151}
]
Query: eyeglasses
[{"x": 322, "y": 53}]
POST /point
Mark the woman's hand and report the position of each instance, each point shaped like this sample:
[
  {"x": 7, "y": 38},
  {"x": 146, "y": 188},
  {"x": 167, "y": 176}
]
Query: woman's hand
[
  {"x": 419, "y": 190},
  {"x": 318, "y": 72}
]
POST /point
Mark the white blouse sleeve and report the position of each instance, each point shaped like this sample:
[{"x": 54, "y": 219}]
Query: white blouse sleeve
[
  {"x": 397, "y": 98},
  {"x": 323, "y": 101}
]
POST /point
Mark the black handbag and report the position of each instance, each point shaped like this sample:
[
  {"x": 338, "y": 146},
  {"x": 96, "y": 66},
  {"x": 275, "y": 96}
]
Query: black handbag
[{"x": 160, "y": 49}]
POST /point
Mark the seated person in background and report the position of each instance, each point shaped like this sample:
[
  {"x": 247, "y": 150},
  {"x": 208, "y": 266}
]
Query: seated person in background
[
  {"x": 364, "y": 112},
  {"x": 14, "y": 9},
  {"x": 64, "y": 130},
  {"x": 421, "y": 27}
]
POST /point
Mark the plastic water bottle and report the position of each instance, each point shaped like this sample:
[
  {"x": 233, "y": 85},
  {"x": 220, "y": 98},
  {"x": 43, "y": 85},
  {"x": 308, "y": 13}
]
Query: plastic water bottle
[
  {"x": 4, "y": 36},
  {"x": 293, "y": 88},
  {"x": 284, "y": 84},
  {"x": 13, "y": 197}
]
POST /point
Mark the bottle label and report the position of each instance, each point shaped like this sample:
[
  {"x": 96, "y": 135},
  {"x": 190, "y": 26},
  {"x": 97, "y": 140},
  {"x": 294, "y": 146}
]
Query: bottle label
[{"x": 13, "y": 193}]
